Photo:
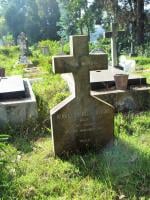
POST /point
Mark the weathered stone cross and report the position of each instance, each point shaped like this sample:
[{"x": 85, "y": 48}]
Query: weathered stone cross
[
  {"x": 113, "y": 35},
  {"x": 81, "y": 121},
  {"x": 80, "y": 63}
]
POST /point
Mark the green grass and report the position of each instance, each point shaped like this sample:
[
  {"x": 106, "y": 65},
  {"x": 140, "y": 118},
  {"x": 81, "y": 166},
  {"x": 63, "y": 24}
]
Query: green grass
[
  {"x": 120, "y": 171},
  {"x": 142, "y": 63},
  {"x": 146, "y": 75},
  {"x": 8, "y": 58},
  {"x": 142, "y": 66}
]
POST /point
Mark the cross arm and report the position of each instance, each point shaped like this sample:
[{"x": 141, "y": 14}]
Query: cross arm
[
  {"x": 63, "y": 64},
  {"x": 95, "y": 61}
]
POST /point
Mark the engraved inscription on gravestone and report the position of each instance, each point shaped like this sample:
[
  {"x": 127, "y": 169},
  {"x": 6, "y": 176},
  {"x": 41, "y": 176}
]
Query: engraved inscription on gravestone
[{"x": 81, "y": 121}]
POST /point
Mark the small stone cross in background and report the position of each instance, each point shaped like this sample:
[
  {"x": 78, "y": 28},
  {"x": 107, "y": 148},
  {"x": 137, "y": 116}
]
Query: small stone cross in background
[{"x": 113, "y": 35}]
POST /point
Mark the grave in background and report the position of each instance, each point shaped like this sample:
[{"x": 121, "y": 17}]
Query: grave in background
[
  {"x": 104, "y": 80},
  {"x": 23, "y": 45},
  {"x": 113, "y": 35},
  {"x": 17, "y": 101},
  {"x": 81, "y": 122},
  {"x": 135, "y": 98},
  {"x": 45, "y": 50}
]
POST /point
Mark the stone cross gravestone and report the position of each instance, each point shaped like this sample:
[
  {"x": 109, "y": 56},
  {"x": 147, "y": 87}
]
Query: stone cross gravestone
[
  {"x": 113, "y": 35},
  {"x": 23, "y": 45},
  {"x": 132, "y": 40},
  {"x": 22, "y": 42},
  {"x": 80, "y": 122}
]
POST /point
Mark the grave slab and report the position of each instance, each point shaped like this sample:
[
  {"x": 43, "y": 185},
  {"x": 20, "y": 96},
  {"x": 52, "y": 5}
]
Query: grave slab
[
  {"x": 81, "y": 122},
  {"x": 17, "y": 111},
  {"x": 11, "y": 88},
  {"x": 105, "y": 79},
  {"x": 135, "y": 98}
]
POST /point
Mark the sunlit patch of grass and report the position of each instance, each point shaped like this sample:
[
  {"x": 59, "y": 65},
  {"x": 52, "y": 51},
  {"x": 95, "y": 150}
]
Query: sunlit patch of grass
[
  {"x": 142, "y": 63},
  {"x": 120, "y": 171}
]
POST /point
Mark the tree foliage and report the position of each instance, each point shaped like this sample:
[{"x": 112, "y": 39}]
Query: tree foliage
[
  {"x": 37, "y": 18},
  {"x": 76, "y": 17},
  {"x": 42, "y": 20},
  {"x": 127, "y": 12},
  {"x": 49, "y": 16}
]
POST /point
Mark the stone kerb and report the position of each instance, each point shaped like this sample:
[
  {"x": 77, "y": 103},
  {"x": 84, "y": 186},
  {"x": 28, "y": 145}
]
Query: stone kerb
[{"x": 18, "y": 111}]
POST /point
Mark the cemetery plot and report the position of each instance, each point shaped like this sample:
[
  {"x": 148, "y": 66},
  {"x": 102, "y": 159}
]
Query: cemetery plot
[{"x": 135, "y": 98}]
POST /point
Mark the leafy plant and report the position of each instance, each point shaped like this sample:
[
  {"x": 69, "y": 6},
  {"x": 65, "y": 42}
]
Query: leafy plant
[
  {"x": 143, "y": 50},
  {"x": 3, "y": 158},
  {"x": 142, "y": 62},
  {"x": 3, "y": 139},
  {"x": 102, "y": 44}
]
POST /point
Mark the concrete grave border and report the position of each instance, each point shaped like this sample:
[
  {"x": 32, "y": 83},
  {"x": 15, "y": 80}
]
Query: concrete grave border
[{"x": 15, "y": 112}]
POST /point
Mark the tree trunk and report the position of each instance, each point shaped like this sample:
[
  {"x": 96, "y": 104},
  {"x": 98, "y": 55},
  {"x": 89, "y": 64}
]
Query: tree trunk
[
  {"x": 140, "y": 21},
  {"x": 81, "y": 30}
]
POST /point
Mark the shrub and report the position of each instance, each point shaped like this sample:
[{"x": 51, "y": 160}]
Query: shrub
[
  {"x": 5, "y": 51},
  {"x": 142, "y": 60},
  {"x": 3, "y": 159},
  {"x": 3, "y": 139},
  {"x": 35, "y": 62},
  {"x": 55, "y": 47},
  {"x": 49, "y": 92},
  {"x": 103, "y": 44},
  {"x": 142, "y": 63},
  {"x": 143, "y": 50}
]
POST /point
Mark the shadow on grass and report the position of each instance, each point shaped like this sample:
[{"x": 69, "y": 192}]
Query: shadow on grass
[
  {"x": 26, "y": 144},
  {"x": 123, "y": 168},
  {"x": 23, "y": 136}
]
